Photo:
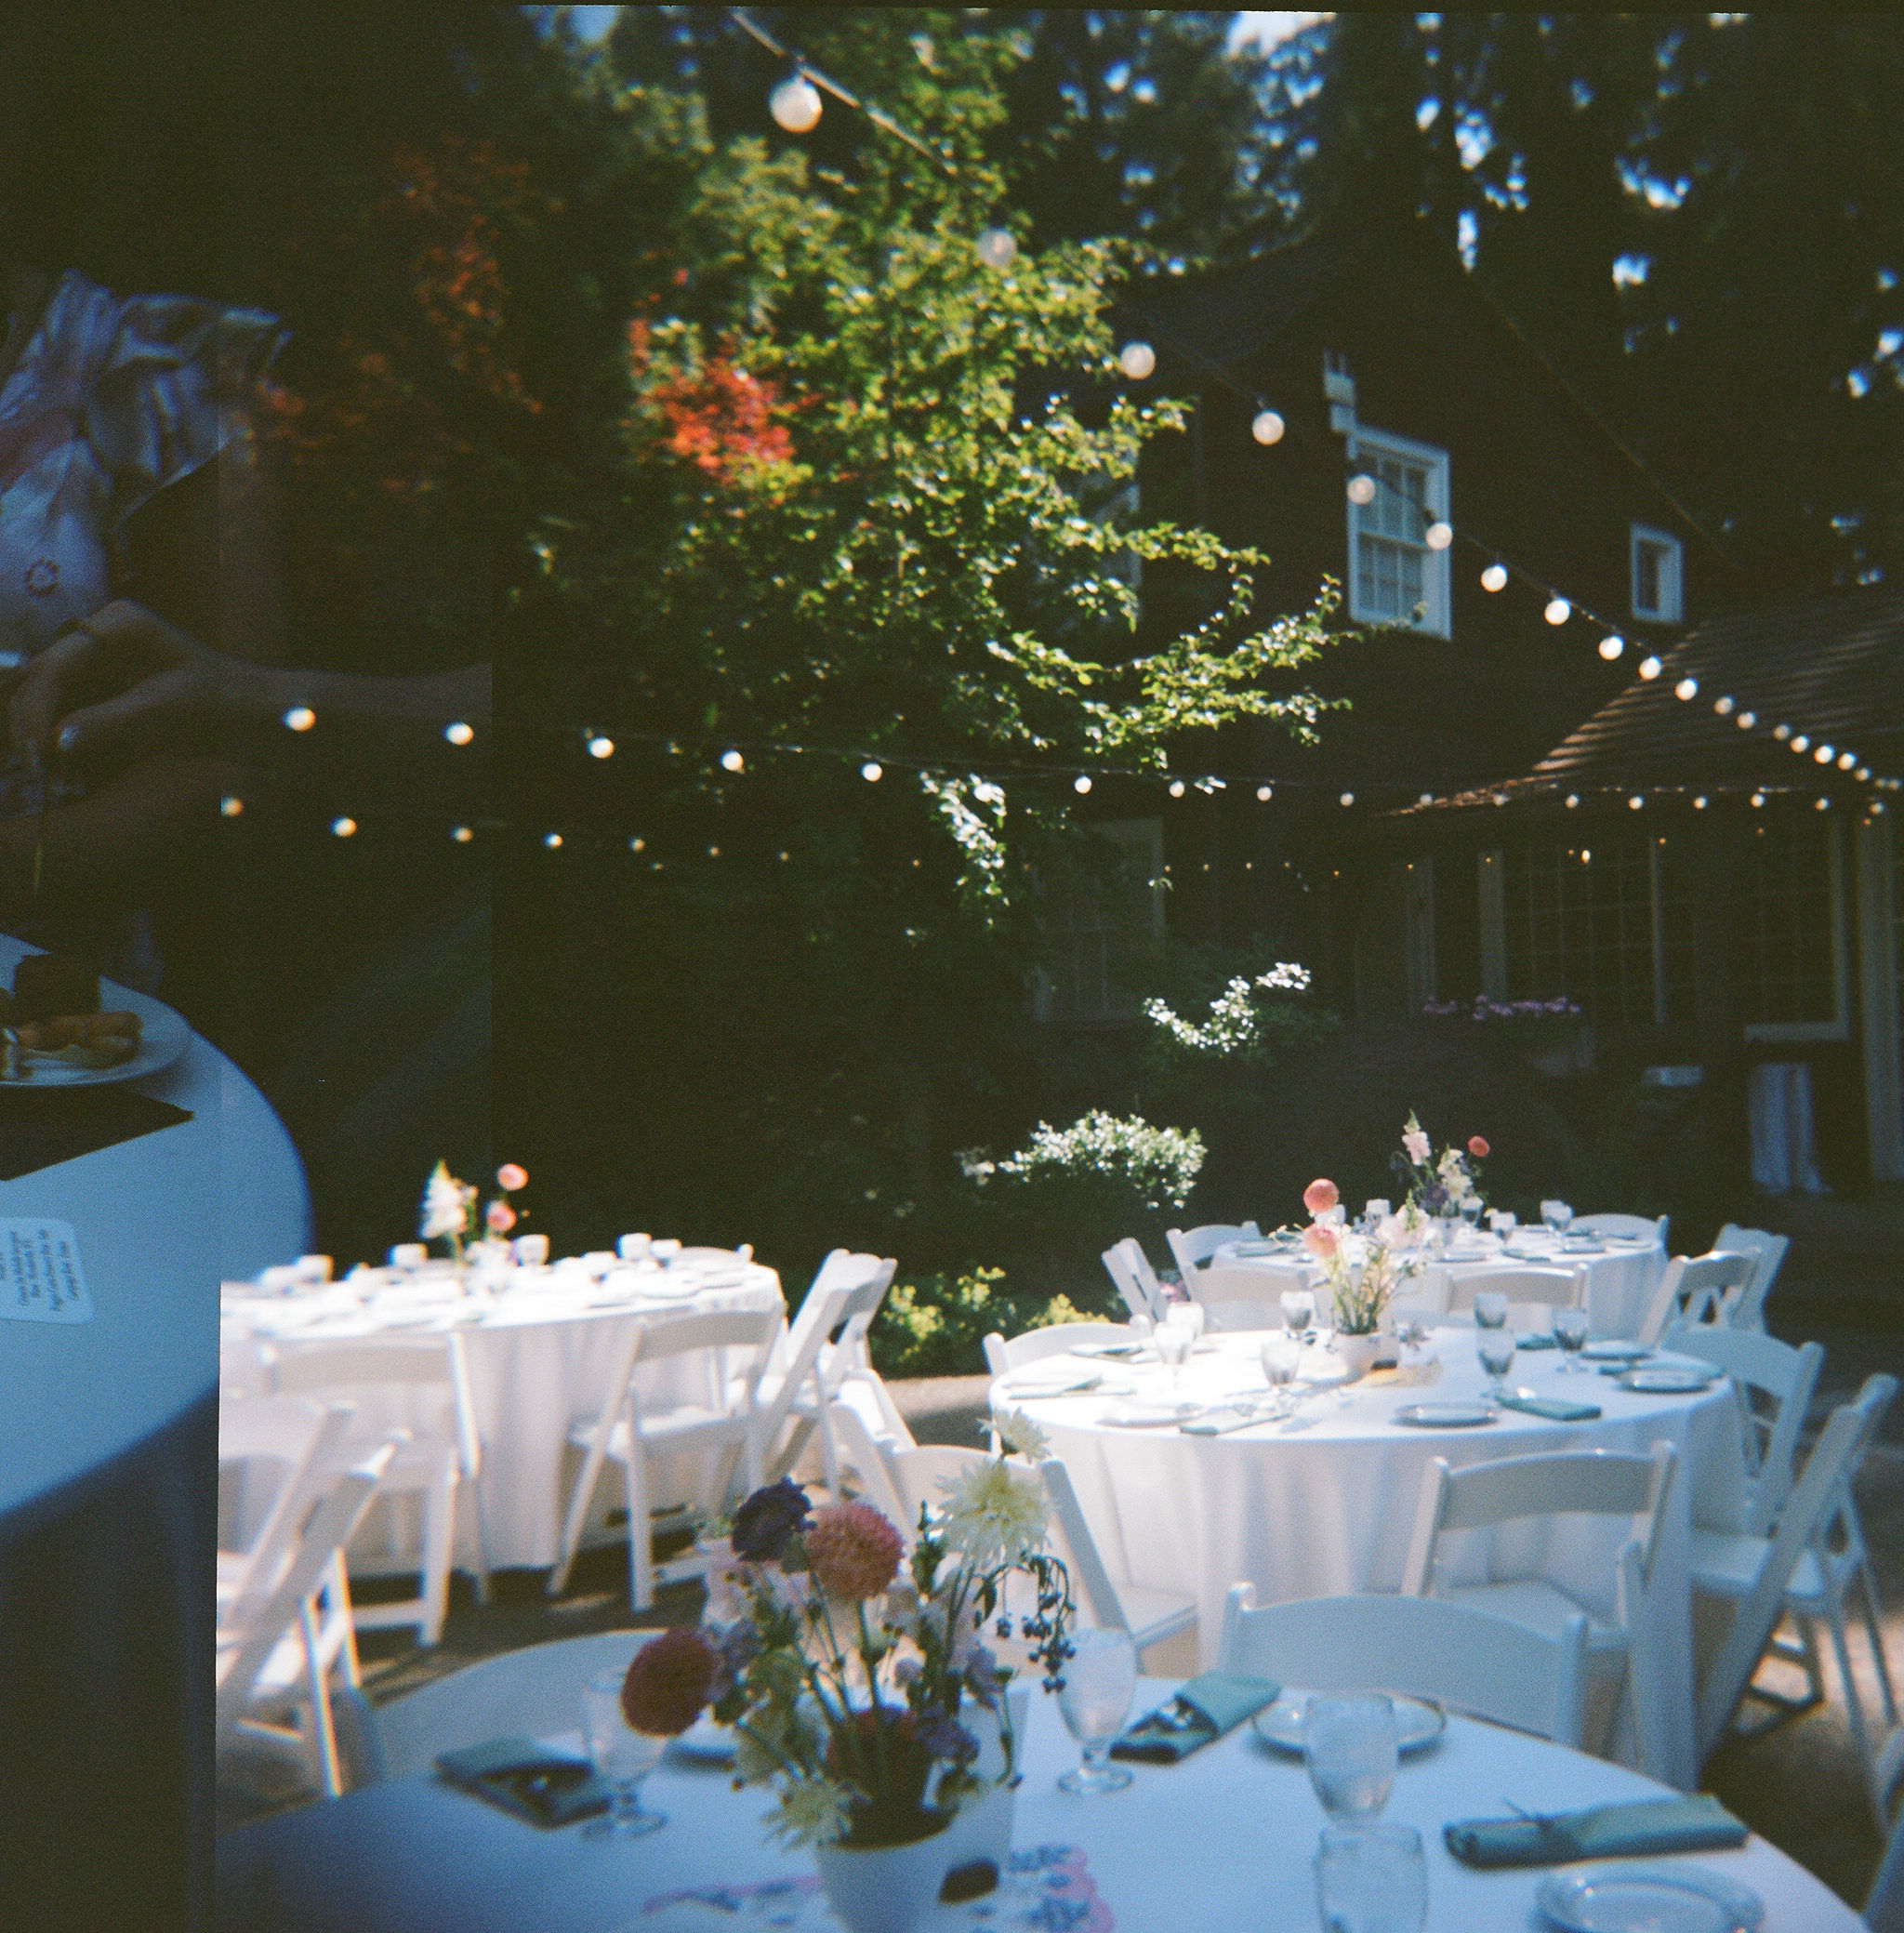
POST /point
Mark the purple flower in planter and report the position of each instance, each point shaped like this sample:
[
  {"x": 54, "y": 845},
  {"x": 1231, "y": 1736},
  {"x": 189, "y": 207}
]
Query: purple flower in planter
[{"x": 768, "y": 1518}]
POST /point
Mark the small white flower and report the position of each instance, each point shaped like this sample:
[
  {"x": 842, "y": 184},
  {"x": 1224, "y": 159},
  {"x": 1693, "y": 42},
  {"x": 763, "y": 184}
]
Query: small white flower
[
  {"x": 445, "y": 1204},
  {"x": 810, "y": 1812},
  {"x": 994, "y": 1516},
  {"x": 1022, "y": 1436}
]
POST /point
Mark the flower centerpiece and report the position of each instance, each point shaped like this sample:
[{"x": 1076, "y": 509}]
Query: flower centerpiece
[
  {"x": 1361, "y": 1272},
  {"x": 1445, "y": 1186},
  {"x": 857, "y": 1680},
  {"x": 449, "y": 1212}
]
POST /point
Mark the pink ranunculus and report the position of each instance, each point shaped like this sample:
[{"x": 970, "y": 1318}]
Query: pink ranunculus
[
  {"x": 1477, "y": 1147},
  {"x": 1320, "y": 1196},
  {"x": 1321, "y": 1240},
  {"x": 1416, "y": 1146},
  {"x": 509, "y": 1177},
  {"x": 501, "y": 1217}
]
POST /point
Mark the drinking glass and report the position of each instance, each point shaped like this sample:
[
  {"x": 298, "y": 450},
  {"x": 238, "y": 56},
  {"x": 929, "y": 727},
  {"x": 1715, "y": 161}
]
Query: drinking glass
[
  {"x": 1570, "y": 1333},
  {"x": 1371, "y": 1879},
  {"x": 1495, "y": 1347},
  {"x": 1282, "y": 1357},
  {"x": 1100, "y": 1678},
  {"x": 1190, "y": 1314},
  {"x": 1299, "y": 1310},
  {"x": 1349, "y": 1745},
  {"x": 1471, "y": 1214},
  {"x": 623, "y": 1757},
  {"x": 1490, "y": 1309},
  {"x": 1557, "y": 1216},
  {"x": 1172, "y": 1343}
]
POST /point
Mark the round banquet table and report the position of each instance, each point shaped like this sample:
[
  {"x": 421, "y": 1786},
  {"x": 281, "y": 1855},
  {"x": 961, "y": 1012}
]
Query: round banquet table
[
  {"x": 1322, "y": 1504},
  {"x": 539, "y": 1356},
  {"x": 1220, "y": 1842},
  {"x": 1622, "y": 1276},
  {"x": 108, "y": 1450}
]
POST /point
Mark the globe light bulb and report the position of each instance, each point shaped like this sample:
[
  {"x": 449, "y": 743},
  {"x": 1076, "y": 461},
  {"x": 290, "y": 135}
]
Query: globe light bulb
[
  {"x": 344, "y": 827},
  {"x": 1610, "y": 648},
  {"x": 1650, "y": 668},
  {"x": 732, "y": 761},
  {"x": 1494, "y": 577},
  {"x": 1824, "y": 805},
  {"x": 1687, "y": 688},
  {"x": 1698, "y": 805},
  {"x": 1266, "y": 426},
  {"x": 1723, "y": 706},
  {"x": 795, "y": 104},
  {"x": 1637, "y": 801},
  {"x": 600, "y": 747},
  {"x": 1782, "y": 732},
  {"x": 1362, "y": 489},
  {"x": 1348, "y": 799},
  {"x": 1137, "y": 360},
  {"x": 460, "y": 733},
  {"x": 1176, "y": 788},
  {"x": 1863, "y": 771},
  {"x": 1799, "y": 742},
  {"x": 1264, "y": 795},
  {"x": 230, "y": 806},
  {"x": 1825, "y": 754},
  {"x": 1081, "y": 784},
  {"x": 638, "y": 845},
  {"x": 552, "y": 841},
  {"x": 1438, "y": 536},
  {"x": 462, "y": 834},
  {"x": 300, "y": 718},
  {"x": 1746, "y": 720},
  {"x": 1847, "y": 761},
  {"x": 1427, "y": 799},
  {"x": 872, "y": 772},
  {"x": 996, "y": 247},
  {"x": 1758, "y": 798},
  {"x": 1558, "y": 611}
]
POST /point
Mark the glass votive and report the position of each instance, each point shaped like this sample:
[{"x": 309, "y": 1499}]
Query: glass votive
[{"x": 530, "y": 1250}]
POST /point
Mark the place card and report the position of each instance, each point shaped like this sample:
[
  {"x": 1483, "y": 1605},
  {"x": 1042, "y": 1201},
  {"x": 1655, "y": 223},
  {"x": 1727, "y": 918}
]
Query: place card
[{"x": 41, "y": 1279}]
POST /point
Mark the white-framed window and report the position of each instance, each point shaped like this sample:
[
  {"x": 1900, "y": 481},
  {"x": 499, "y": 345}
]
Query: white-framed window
[
  {"x": 1393, "y": 576},
  {"x": 1656, "y": 575},
  {"x": 1794, "y": 974}
]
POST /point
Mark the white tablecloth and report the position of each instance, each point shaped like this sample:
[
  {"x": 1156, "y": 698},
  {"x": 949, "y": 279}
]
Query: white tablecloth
[
  {"x": 540, "y": 1356},
  {"x": 1324, "y": 1504},
  {"x": 1219, "y": 1843}
]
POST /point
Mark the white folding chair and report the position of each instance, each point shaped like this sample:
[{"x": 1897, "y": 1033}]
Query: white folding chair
[
  {"x": 723, "y": 1424},
  {"x": 1194, "y": 1248},
  {"x": 1693, "y": 1289},
  {"x": 1759, "y": 1366},
  {"x": 532, "y": 1693},
  {"x": 273, "y": 1669},
  {"x": 1640, "y": 1227},
  {"x": 1129, "y": 1268},
  {"x": 427, "y": 1378},
  {"x": 1746, "y": 1307},
  {"x": 299, "y": 1446},
  {"x": 1557, "y": 1288},
  {"x": 843, "y": 1300},
  {"x": 1814, "y": 1557},
  {"x": 1511, "y": 1489},
  {"x": 1884, "y": 1912},
  {"x": 866, "y": 1465},
  {"x": 1484, "y": 1665},
  {"x": 1238, "y": 1296},
  {"x": 919, "y": 1476},
  {"x": 1035, "y": 1344}
]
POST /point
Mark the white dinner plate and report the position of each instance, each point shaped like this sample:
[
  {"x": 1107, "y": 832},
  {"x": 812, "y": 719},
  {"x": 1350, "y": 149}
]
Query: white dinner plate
[
  {"x": 1059, "y": 1382},
  {"x": 1635, "y": 1898},
  {"x": 164, "y": 1036},
  {"x": 1115, "y": 1351},
  {"x": 1614, "y": 1350},
  {"x": 1444, "y": 1416},
  {"x": 1417, "y": 1723},
  {"x": 1668, "y": 1379},
  {"x": 1149, "y": 1416}
]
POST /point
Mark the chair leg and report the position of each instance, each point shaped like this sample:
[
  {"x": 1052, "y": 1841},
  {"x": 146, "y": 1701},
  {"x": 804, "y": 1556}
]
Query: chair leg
[
  {"x": 322, "y": 1729},
  {"x": 830, "y": 1455},
  {"x": 1874, "y": 1628},
  {"x": 1854, "y": 1711},
  {"x": 439, "y": 1506},
  {"x": 482, "y": 1577},
  {"x": 571, "y": 1537},
  {"x": 640, "y": 1532}
]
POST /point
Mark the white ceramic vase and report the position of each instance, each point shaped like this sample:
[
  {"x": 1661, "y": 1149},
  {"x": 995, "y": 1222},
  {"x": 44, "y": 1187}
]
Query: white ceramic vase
[
  {"x": 883, "y": 1888},
  {"x": 1358, "y": 1354}
]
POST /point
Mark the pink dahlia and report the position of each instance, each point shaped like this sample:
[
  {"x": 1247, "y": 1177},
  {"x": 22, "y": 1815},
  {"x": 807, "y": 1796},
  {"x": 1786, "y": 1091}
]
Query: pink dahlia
[
  {"x": 1478, "y": 1147},
  {"x": 1321, "y": 1240},
  {"x": 853, "y": 1550}
]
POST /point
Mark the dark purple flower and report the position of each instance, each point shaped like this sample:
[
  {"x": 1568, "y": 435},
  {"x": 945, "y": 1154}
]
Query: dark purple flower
[
  {"x": 1434, "y": 1199},
  {"x": 768, "y": 1518},
  {"x": 945, "y": 1738}
]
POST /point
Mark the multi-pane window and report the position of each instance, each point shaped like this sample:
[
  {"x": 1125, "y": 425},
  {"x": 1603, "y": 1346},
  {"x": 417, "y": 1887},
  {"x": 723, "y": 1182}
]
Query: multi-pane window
[
  {"x": 1100, "y": 907},
  {"x": 1655, "y": 575},
  {"x": 1395, "y": 577},
  {"x": 1788, "y": 935}
]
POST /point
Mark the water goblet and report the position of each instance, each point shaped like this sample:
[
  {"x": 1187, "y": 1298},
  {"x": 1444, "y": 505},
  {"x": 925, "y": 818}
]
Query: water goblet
[
  {"x": 1371, "y": 1879},
  {"x": 1282, "y": 1357},
  {"x": 1558, "y": 1215},
  {"x": 1490, "y": 1309},
  {"x": 1570, "y": 1333},
  {"x": 1172, "y": 1343},
  {"x": 623, "y": 1757},
  {"x": 1471, "y": 1214},
  {"x": 1495, "y": 1347},
  {"x": 1349, "y": 1745},
  {"x": 1100, "y": 1678},
  {"x": 1299, "y": 1311}
]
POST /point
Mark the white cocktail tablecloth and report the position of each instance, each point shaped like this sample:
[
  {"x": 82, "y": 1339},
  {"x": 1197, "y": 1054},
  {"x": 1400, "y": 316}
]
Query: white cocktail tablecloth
[
  {"x": 1219, "y": 1843},
  {"x": 540, "y": 1356},
  {"x": 1323, "y": 1504},
  {"x": 1621, "y": 1276}
]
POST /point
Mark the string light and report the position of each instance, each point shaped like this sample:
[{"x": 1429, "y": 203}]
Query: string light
[
  {"x": 1824, "y": 805},
  {"x": 600, "y": 747},
  {"x": 1573, "y": 799},
  {"x": 344, "y": 827},
  {"x": 1758, "y": 798},
  {"x": 732, "y": 761},
  {"x": 230, "y": 806},
  {"x": 1847, "y": 761},
  {"x": 462, "y": 834},
  {"x": 1637, "y": 800},
  {"x": 1864, "y": 772},
  {"x": 640, "y": 845},
  {"x": 1427, "y": 799},
  {"x": 1176, "y": 788},
  {"x": 1264, "y": 795},
  {"x": 552, "y": 841},
  {"x": 1687, "y": 688},
  {"x": 1698, "y": 804},
  {"x": 872, "y": 772},
  {"x": 1558, "y": 611},
  {"x": 795, "y": 104},
  {"x": 1799, "y": 742},
  {"x": 1500, "y": 798},
  {"x": 1137, "y": 360},
  {"x": 459, "y": 733},
  {"x": 1746, "y": 720},
  {"x": 1494, "y": 577},
  {"x": 1362, "y": 489},
  {"x": 1081, "y": 784},
  {"x": 1723, "y": 706},
  {"x": 1650, "y": 668},
  {"x": 300, "y": 718},
  {"x": 1348, "y": 799},
  {"x": 996, "y": 247},
  {"x": 1782, "y": 732},
  {"x": 1438, "y": 536},
  {"x": 1611, "y": 646},
  {"x": 1824, "y": 755},
  {"x": 1266, "y": 426}
]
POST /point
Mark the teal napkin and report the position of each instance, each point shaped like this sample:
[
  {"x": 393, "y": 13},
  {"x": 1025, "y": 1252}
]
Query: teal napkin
[
  {"x": 1211, "y": 1704},
  {"x": 1555, "y": 1408},
  {"x": 1698, "y": 1824},
  {"x": 1536, "y": 1338},
  {"x": 526, "y": 1778}
]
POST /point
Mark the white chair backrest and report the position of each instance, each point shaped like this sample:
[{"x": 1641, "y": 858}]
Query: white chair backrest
[
  {"x": 1784, "y": 1375},
  {"x": 847, "y": 1353},
  {"x": 307, "y": 1438},
  {"x": 1129, "y": 1268},
  {"x": 1693, "y": 1289},
  {"x": 1465, "y": 1657},
  {"x": 1035, "y": 1344},
  {"x": 1559, "y": 1288},
  {"x": 869, "y": 1465},
  {"x": 418, "y": 1364},
  {"x": 1746, "y": 1309},
  {"x": 1813, "y": 1499},
  {"x": 1643, "y": 1227},
  {"x": 822, "y": 1311},
  {"x": 1598, "y": 1482},
  {"x": 530, "y": 1693},
  {"x": 1238, "y": 1296},
  {"x": 1195, "y": 1247}
]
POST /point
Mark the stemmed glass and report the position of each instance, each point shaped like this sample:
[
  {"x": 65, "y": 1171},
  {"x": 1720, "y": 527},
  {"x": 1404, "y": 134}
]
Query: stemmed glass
[
  {"x": 1495, "y": 1347},
  {"x": 1558, "y": 1215},
  {"x": 1490, "y": 1309},
  {"x": 1282, "y": 1357},
  {"x": 1172, "y": 1343},
  {"x": 1371, "y": 1879},
  {"x": 1100, "y": 1678},
  {"x": 1570, "y": 1333},
  {"x": 1471, "y": 1214},
  {"x": 1299, "y": 1311},
  {"x": 623, "y": 1757},
  {"x": 1349, "y": 1745}
]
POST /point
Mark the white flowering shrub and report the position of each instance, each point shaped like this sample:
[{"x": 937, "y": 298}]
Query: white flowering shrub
[
  {"x": 1158, "y": 1166},
  {"x": 1236, "y": 1022}
]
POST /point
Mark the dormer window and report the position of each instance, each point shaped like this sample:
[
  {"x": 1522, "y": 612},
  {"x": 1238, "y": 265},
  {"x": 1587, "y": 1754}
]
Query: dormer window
[
  {"x": 1656, "y": 577},
  {"x": 1395, "y": 577}
]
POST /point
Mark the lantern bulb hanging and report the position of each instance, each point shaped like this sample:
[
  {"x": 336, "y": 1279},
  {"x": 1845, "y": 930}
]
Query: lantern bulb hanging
[
  {"x": 1687, "y": 688},
  {"x": 1650, "y": 668},
  {"x": 460, "y": 733},
  {"x": 872, "y": 772},
  {"x": 732, "y": 761},
  {"x": 1723, "y": 706},
  {"x": 1438, "y": 536},
  {"x": 1610, "y": 647},
  {"x": 1698, "y": 804},
  {"x": 601, "y": 746},
  {"x": 1266, "y": 426},
  {"x": 1176, "y": 788},
  {"x": 1746, "y": 720},
  {"x": 1081, "y": 784},
  {"x": 795, "y": 104},
  {"x": 1824, "y": 805},
  {"x": 1348, "y": 799},
  {"x": 300, "y": 718},
  {"x": 1847, "y": 761},
  {"x": 1825, "y": 754},
  {"x": 1494, "y": 577},
  {"x": 1362, "y": 489},
  {"x": 1573, "y": 799},
  {"x": 1558, "y": 611},
  {"x": 1637, "y": 801},
  {"x": 1264, "y": 795},
  {"x": 996, "y": 247},
  {"x": 1799, "y": 742},
  {"x": 1758, "y": 798},
  {"x": 1137, "y": 360}
]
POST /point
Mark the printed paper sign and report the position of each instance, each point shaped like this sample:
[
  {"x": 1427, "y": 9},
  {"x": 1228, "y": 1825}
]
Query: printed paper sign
[{"x": 40, "y": 1277}]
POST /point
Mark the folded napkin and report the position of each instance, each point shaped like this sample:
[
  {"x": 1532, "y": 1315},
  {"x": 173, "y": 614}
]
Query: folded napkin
[
  {"x": 526, "y": 1778},
  {"x": 1209, "y": 1705},
  {"x": 1555, "y": 1408},
  {"x": 1697, "y": 1824},
  {"x": 1220, "y": 1423},
  {"x": 1536, "y": 1338}
]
